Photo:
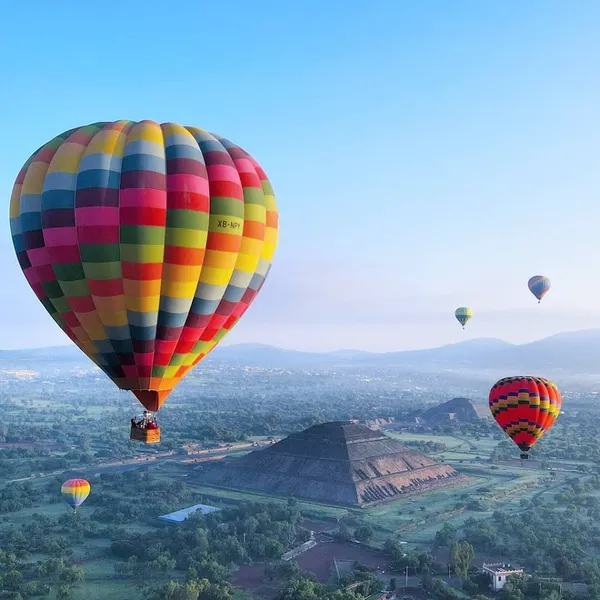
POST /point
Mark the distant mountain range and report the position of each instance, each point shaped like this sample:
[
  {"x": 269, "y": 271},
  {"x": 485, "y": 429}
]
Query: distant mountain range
[
  {"x": 575, "y": 352},
  {"x": 572, "y": 352}
]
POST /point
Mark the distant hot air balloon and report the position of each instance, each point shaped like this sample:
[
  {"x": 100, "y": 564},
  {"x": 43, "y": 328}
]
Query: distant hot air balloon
[
  {"x": 525, "y": 408},
  {"x": 75, "y": 491},
  {"x": 463, "y": 315},
  {"x": 539, "y": 286},
  {"x": 146, "y": 243}
]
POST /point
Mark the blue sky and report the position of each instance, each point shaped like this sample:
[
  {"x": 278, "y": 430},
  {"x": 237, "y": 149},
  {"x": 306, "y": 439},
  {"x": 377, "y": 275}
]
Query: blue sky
[{"x": 424, "y": 154}]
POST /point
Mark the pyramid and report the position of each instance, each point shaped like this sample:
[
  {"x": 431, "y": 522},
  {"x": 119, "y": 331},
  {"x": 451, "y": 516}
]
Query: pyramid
[{"x": 340, "y": 462}]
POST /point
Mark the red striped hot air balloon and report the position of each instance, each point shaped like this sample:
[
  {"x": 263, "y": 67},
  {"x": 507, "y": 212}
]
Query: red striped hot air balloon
[
  {"x": 75, "y": 492},
  {"x": 525, "y": 408}
]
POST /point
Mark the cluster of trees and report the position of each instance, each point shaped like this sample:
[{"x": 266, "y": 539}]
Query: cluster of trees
[
  {"x": 137, "y": 496},
  {"x": 306, "y": 588},
  {"x": 426, "y": 447},
  {"x": 22, "y": 580},
  {"x": 300, "y": 586},
  {"x": 15, "y": 497},
  {"x": 204, "y": 544},
  {"x": 559, "y": 539},
  {"x": 21, "y": 577},
  {"x": 190, "y": 590},
  {"x": 553, "y": 540},
  {"x": 362, "y": 533},
  {"x": 432, "y": 573},
  {"x": 519, "y": 587},
  {"x": 400, "y": 558}
]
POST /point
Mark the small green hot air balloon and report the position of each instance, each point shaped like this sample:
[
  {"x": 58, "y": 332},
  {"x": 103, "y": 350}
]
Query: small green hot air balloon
[{"x": 463, "y": 315}]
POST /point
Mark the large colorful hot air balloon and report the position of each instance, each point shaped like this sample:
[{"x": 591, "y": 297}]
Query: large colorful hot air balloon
[
  {"x": 525, "y": 408},
  {"x": 75, "y": 492},
  {"x": 539, "y": 286},
  {"x": 146, "y": 243},
  {"x": 463, "y": 315}
]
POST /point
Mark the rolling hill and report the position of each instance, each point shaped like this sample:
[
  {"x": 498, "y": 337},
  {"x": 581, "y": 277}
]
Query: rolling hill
[{"x": 576, "y": 352}]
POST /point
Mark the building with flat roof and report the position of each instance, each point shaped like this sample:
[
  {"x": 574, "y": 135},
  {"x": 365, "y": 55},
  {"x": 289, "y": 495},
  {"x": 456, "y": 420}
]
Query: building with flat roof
[
  {"x": 181, "y": 515},
  {"x": 499, "y": 573}
]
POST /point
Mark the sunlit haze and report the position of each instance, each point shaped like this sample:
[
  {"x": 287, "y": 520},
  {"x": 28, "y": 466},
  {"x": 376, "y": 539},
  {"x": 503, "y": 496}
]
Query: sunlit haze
[{"x": 424, "y": 155}]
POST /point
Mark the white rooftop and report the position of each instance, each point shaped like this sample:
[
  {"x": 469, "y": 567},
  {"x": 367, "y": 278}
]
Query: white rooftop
[
  {"x": 181, "y": 515},
  {"x": 500, "y": 568}
]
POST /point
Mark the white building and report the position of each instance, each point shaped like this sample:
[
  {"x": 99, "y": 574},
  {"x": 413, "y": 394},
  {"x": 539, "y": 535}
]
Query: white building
[
  {"x": 499, "y": 572},
  {"x": 179, "y": 516}
]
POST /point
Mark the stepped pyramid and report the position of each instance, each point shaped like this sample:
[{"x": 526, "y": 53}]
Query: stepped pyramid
[{"x": 336, "y": 463}]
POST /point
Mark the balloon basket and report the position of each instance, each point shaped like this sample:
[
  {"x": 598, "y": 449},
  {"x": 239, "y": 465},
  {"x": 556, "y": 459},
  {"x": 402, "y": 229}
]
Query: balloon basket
[
  {"x": 148, "y": 436},
  {"x": 524, "y": 455}
]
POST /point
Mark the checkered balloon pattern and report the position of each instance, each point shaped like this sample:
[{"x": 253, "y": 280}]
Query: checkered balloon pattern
[
  {"x": 146, "y": 243},
  {"x": 525, "y": 408}
]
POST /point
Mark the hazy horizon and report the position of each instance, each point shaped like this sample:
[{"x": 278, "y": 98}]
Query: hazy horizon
[
  {"x": 228, "y": 343},
  {"x": 423, "y": 156}
]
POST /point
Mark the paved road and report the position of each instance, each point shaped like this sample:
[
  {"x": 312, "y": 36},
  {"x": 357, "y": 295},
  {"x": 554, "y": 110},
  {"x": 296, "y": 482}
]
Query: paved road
[{"x": 134, "y": 463}]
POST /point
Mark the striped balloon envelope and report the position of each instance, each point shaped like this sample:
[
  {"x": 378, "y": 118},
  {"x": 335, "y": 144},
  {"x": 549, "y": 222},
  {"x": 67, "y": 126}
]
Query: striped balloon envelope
[
  {"x": 539, "y": 286},
  {"x": 75, "y": 492},
  {"x": 146, "y": 243},
  {"x": 525, "y": 408},
  {"x": 463, "y": 315}
]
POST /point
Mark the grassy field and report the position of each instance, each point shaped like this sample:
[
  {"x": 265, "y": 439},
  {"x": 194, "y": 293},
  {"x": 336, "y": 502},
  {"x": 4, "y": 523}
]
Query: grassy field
[
  {"x": 416, "y": 520},
  {"x": 448, "y": 440},
  {"x": 316, "y": 511}
]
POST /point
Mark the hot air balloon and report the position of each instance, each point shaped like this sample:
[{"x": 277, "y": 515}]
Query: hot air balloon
[
  {"x": 539, "y": 286},
  {"x": 525, "y": 408},
  {"x": 463, "y": 315},
  {"x": 146, "y": 243},
  {"x": 75, "y": 491}
]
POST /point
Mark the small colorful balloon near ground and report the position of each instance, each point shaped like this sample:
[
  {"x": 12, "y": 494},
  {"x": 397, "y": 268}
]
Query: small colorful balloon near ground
[{"x": 75, "y": 492}]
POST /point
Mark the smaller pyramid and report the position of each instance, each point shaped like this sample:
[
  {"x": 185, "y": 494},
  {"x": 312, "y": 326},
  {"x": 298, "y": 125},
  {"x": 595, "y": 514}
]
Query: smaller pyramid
[
  {"x": 457, "y": 409},
  {"x": 340, "y": 462}
]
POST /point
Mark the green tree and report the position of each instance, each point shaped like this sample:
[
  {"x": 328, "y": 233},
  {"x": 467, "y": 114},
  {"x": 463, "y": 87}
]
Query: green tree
[
  {"x": 514, "y": 588},
  {"x": 72, "y": 574},
  {"x": 393, "y": 548},
  {"x": 446, "y": 536},
  {"x": 175, "y": 591},
  {"x": 64, "y": 592},
  {"x": 213, "y": 591},
  {"x": 282, "y": 570},
  {"x": 343, "y": 532},
  {"x": 462, "y": 555},
  {"x": 301, "y": 589},
  {"x": 13, "y": 580},
  {"x": 364, "y": 533}
]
